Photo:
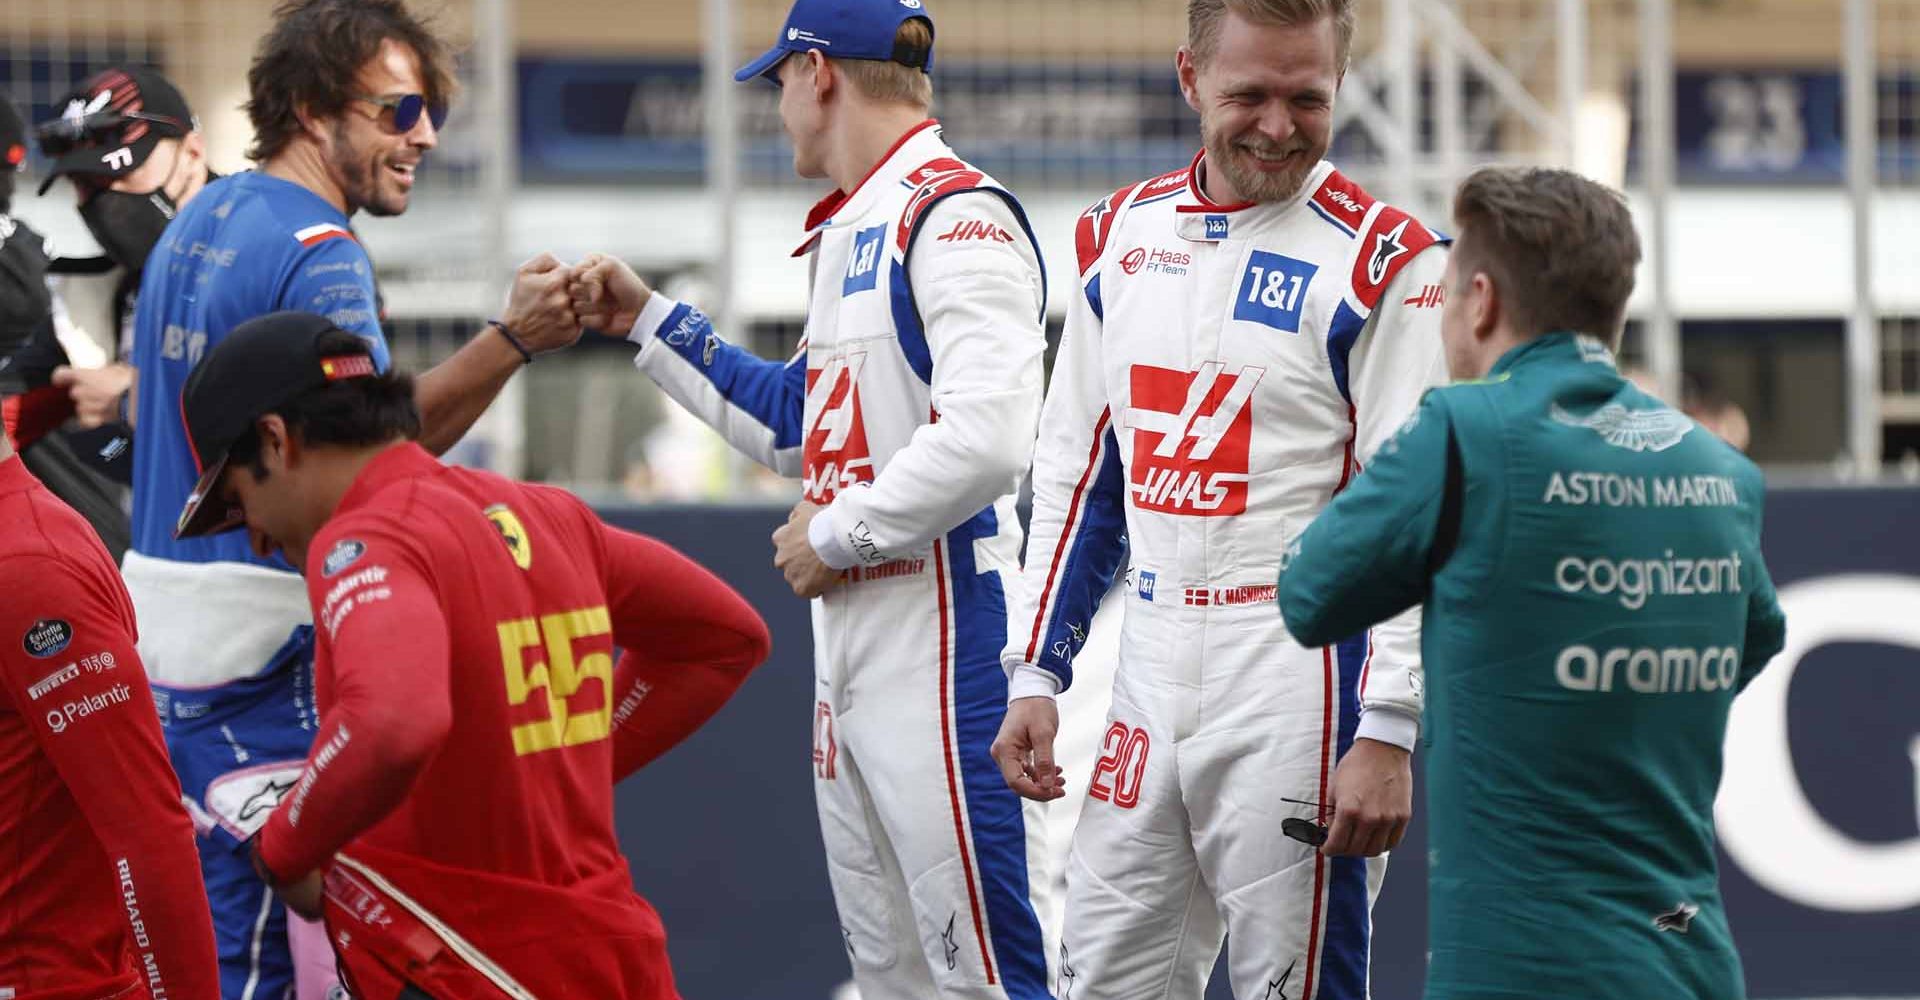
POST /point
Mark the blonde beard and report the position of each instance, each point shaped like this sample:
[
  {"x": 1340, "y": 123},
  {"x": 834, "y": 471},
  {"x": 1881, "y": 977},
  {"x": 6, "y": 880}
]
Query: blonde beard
[{"x": 1256, "y": 186}]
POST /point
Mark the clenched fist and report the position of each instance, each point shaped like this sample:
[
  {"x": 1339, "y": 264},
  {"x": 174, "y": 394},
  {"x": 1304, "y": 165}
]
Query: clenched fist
[
  {"x": 539, "y": 308},
  {"x": 606, "y": 294}
]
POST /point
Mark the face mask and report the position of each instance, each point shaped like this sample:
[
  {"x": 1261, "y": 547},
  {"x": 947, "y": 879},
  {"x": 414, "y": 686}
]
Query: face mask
[{"x": 128, "y": 225}]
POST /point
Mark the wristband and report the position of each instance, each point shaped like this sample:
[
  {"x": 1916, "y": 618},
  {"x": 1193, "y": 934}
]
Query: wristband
[{"x": 511, "y": 339}]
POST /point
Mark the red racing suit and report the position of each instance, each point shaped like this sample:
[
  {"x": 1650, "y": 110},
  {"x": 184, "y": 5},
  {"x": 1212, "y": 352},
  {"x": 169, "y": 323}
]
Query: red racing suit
[
  {"x": 474, "y": 722},
  {"x": 100, "y": 893}
]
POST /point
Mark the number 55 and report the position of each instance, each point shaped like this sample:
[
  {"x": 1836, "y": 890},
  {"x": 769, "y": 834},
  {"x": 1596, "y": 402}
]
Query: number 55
[{"x": 560, "y": 677}]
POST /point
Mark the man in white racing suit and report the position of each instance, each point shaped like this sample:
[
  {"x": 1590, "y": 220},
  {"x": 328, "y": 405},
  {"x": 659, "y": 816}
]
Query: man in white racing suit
[
  {"x": 909, "y": 413},
  {"x": 1243, "y": 334}
]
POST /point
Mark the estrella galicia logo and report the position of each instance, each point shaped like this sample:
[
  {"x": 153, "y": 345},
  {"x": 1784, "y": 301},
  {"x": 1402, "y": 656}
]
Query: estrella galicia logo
[
  {"x": 47, "y": 637},
  {"x": 1217, "y": 226},
  {"x": 1146, "y": 585},
  {"x": 345, "y": 553}
]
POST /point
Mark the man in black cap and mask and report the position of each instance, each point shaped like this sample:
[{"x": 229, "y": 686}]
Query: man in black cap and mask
[
  {"x": 130, "y": 146},
  {"x": 77, "y": 465}
]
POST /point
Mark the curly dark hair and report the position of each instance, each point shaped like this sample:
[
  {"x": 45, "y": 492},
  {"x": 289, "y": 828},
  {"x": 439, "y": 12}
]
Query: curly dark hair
[{"x": 313, "y": 55}]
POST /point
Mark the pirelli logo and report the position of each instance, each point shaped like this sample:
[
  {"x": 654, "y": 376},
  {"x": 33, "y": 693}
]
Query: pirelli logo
[{"x": 53, "y": 680}]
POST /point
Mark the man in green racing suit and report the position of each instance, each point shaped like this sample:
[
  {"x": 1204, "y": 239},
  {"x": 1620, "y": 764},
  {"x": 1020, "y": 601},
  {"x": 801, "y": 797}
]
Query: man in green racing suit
[{"x": 1589, "y": 561}]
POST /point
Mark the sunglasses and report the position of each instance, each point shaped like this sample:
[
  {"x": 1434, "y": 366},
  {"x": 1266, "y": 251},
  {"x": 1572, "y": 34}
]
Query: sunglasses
[
  {"x": 1309, "y": 832},
  {"x": 403, "y": 111},
  {"x": 102, "y": 128}
]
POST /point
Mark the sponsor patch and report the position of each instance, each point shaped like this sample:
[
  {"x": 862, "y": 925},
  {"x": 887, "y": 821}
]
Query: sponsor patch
[
  {"x": 346, "y": 552},
  {"x": 513, "y": 533},
  {"x": 863, "y": 264},
  {"x": 1157, "y": 261},
  {"x": 835, "y": 455},
  {"x": 45, "y": 685},
  {"x": 1192, "y": 436},
  {"x": 974, "y": 229},
  {"x": 241, "y": 801},
  {"x": 46, "y": 637},
  {"x": 1273, "y": 292},
  {"x": 1634, "y": 430}
]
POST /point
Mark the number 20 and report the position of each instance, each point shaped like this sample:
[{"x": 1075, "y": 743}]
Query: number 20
[
  {"x": 1123, "y": 754},
  {"x": 560, "y": 677}
]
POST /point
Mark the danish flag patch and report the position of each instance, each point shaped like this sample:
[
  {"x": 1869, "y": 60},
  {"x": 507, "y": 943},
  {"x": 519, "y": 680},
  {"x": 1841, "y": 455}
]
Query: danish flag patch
[{"x": 1192, "y": 437}]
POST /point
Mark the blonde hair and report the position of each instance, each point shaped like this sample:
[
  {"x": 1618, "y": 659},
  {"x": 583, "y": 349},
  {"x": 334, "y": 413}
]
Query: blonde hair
[
  {"x": 1205, "y": 16},
  {"x": 890, "y": 81}
]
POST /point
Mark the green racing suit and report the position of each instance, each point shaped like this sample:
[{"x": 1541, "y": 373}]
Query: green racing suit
[{"x": 1589, "y": 562}]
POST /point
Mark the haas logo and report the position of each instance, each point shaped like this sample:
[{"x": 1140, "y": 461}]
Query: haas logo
[
  {"x": 835, "y": 433},
  {"x": 1192, "y": 432}
]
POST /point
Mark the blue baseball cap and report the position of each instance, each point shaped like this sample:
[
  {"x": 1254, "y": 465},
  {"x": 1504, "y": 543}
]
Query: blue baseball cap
[{"x": 846, "y": 29}]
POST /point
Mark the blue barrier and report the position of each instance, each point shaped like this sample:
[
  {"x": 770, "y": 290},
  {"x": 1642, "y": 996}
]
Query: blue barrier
[{"x": 722, "y": 837}]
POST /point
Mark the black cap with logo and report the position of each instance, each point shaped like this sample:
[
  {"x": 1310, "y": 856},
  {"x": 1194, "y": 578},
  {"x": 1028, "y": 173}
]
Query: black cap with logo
[
  {"x": 109, "y": 125},
  {"x": 259, "y": 366}
]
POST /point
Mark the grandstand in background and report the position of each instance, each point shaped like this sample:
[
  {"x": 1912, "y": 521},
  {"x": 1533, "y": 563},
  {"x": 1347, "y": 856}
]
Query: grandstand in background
[{"x": 598, "y": 138}]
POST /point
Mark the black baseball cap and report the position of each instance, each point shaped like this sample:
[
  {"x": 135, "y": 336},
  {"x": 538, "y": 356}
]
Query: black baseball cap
[
  {"x": 110, "y": 124},
  {"x": 261, "y": 365}
]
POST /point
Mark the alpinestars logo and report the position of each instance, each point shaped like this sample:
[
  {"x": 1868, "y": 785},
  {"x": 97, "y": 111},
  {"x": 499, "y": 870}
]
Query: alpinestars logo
[
  {"x": 1680, "y": 920},
  {"x": 1192, "y": 435},
  {"x": 1386, "y": 247},
  {"x": 835, "y": 454}
]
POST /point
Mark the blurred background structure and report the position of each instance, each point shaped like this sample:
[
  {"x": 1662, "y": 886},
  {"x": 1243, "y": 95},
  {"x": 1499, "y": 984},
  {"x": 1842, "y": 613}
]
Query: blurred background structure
[
  {"x": 1781, "y": 279},
  {"x": 1771, "y": 149}
]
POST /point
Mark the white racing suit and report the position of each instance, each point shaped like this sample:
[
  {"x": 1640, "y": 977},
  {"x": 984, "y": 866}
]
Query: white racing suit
[
  {"x": 910, "y": 413},
  {"x": 1223, "y": 371}
]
